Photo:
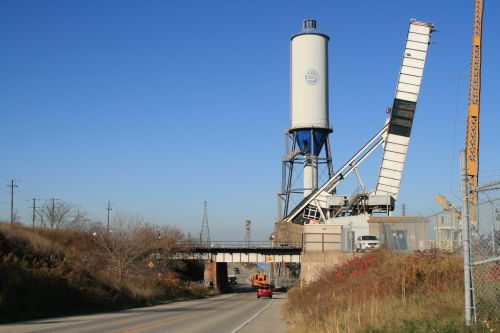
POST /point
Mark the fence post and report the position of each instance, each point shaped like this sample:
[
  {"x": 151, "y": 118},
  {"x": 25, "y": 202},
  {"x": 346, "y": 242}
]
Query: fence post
[{"x": 465, "y": 237}]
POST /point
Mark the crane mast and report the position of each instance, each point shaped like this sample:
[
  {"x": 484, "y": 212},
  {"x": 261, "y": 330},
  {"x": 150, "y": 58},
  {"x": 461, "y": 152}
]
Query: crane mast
[{"x": 472, "y": 134}]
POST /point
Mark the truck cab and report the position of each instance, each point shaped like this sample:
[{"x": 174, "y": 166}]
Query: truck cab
[{"x": 259, "y": 280}]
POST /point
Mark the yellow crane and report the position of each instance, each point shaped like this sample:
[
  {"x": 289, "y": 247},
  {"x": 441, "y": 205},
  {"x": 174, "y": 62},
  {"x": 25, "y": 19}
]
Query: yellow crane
[
  {"x": 472, "y": 132},
  {"x": 447, "y": 205},
  {"x": 443, "y": 202}
]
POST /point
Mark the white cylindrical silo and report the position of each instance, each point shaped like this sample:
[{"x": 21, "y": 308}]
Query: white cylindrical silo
[
  {"x": 309, "y": 78},
  {"x": 309, "y": 98}
]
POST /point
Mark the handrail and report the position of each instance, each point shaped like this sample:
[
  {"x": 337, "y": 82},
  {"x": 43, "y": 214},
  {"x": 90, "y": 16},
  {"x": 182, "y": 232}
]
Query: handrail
[{"x": 245, "y": 245}]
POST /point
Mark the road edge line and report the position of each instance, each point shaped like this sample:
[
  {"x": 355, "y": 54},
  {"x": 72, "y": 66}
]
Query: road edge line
[{"x": 252, "y": 317}]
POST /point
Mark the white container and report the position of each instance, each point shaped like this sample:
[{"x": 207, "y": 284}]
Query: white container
[{"x": 309, "y": 79}]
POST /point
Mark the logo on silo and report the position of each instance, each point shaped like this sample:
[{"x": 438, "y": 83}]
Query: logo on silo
[{"x": 311, "y": 76}]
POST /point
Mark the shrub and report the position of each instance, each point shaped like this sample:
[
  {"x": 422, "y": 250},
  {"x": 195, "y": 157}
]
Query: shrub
[
  {"x": 383, "y": 291},
  {"x": 54, "y": 272}
]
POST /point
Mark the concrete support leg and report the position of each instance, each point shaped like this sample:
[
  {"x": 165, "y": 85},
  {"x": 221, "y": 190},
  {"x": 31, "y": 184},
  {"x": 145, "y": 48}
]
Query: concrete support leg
[
  {"x": 216, "y": 274},
  {"x": 210, "y": 273},
  {"x": 222, "y": 279}
]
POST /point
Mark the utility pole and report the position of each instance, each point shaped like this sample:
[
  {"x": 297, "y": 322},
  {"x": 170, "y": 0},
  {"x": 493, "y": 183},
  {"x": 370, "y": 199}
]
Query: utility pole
[
  {"x": 34, "y": 211},
  {"x": 466, "y": 238},
  {"x": 12, "y": 185},
  {"x": 52, "y": 214},
  {"x": 404, "y": 210},
  {"x": 108, "y": 209}
]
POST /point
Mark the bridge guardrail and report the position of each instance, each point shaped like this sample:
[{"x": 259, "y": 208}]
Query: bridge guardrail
[{"x": 250, "y": 245}]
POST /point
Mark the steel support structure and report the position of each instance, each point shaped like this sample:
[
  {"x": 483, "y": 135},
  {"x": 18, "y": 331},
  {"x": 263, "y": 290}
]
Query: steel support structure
[
  {"x": 318, "y": 197},
  {"x": 295, "y": 157}
]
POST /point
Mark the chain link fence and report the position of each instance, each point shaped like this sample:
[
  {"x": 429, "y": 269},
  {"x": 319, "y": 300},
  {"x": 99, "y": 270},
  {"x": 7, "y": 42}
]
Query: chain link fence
[
  {"x": 485, "y": 255},
  {"x": 415, "y": 235},
  {"x": 446, "y": 230},
  {"x": 408, "y": 234}
]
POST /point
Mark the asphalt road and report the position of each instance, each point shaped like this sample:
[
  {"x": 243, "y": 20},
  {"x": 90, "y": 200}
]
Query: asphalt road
[{"x": 238, "y": 312}]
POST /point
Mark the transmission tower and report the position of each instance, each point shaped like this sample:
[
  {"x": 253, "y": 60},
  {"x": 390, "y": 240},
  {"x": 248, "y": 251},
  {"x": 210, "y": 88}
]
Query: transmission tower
[
  {"x": 248, "y": 224},
  {"x": 205, "y": 232}
]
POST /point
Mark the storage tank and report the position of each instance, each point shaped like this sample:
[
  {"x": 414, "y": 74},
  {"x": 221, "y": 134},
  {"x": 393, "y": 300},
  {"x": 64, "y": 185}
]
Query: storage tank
[
  {"x": 309, "y": 97},
  {"x": 309, "y": 78}
]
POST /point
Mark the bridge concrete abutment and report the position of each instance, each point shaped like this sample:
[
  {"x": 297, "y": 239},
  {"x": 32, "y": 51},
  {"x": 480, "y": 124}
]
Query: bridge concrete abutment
[
  {"x": 315, "y": 263},
  {"x": 323, "y": 250},
  {"x": 216, "y": 274}
]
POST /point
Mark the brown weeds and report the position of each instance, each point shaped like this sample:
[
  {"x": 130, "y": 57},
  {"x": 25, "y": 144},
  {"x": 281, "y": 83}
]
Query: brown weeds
[
  {"x": 381, "y": 290},
  {"x": 51, "y": 272}
]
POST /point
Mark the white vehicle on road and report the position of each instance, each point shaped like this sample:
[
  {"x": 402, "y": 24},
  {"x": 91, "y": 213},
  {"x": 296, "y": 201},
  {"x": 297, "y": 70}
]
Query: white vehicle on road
[{"x": 366, "y": 242}]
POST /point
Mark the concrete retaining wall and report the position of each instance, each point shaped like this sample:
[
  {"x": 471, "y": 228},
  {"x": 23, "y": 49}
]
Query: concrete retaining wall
[{"x": 314, "y": 263}]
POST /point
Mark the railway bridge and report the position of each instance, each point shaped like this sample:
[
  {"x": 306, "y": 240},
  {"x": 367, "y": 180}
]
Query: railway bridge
[
  {"x": 255, "y": 252},
  {"x": 218, "y": 254}
]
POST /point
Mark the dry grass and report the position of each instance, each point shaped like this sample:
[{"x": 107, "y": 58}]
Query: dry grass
[
  {"x": 55, "y": 272},
  {"x": 34, "y": 241},
  {"x": 383, "y": 292}
]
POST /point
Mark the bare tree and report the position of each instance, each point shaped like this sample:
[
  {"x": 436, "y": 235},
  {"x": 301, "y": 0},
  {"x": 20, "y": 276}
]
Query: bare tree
[
  {"x": 122, "y": 247},
  {"x": 162, "y": 243},
  {"x": 60, "y": 214},
  {"x": 132, "y": 245},
  {"x": 78, "y": 221}
]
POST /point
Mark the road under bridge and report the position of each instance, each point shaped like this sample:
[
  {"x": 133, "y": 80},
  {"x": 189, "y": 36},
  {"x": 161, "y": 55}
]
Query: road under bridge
[{"x": 218, "y": 254}]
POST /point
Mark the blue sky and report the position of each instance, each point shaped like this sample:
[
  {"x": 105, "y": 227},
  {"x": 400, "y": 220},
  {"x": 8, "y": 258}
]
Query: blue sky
[{"x": 160, "y": 105}]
